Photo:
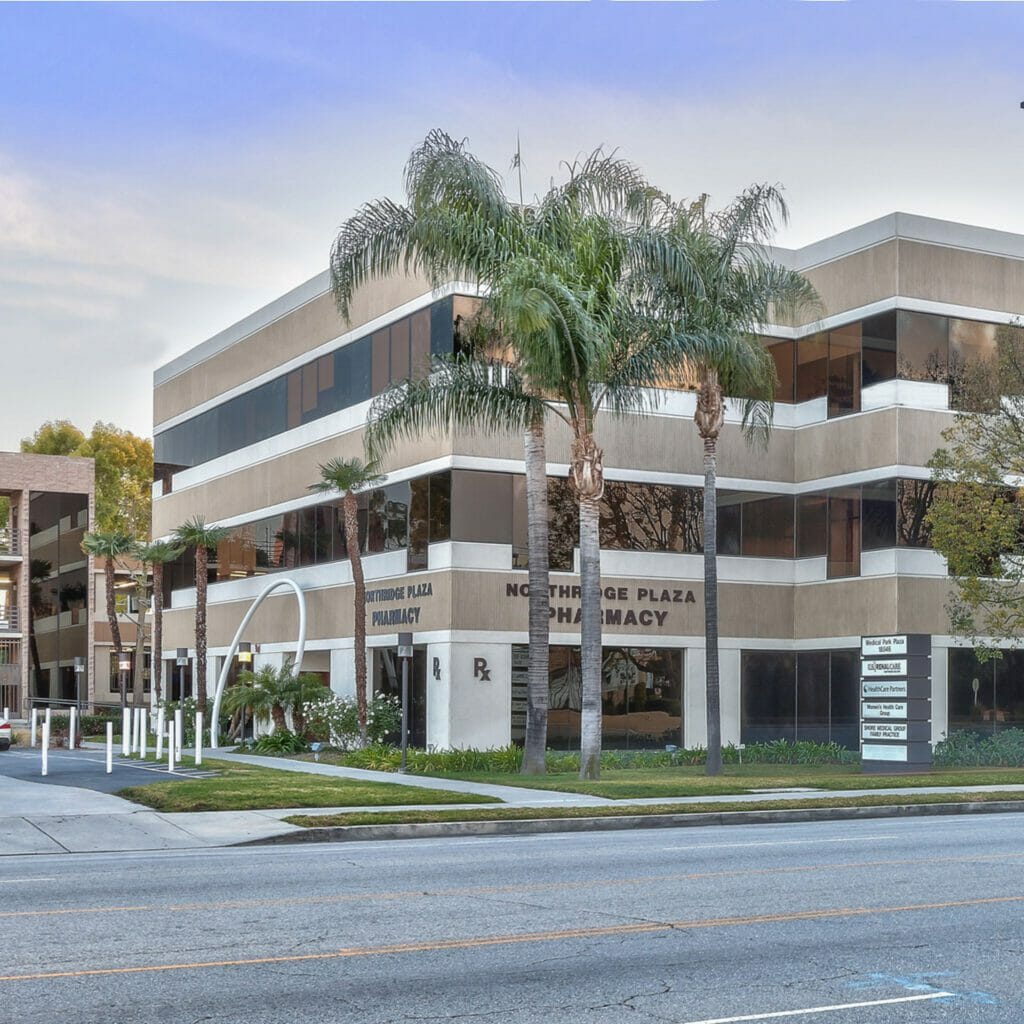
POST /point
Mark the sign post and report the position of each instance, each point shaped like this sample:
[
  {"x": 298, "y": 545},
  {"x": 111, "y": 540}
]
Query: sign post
[
  {"x": 896, "y": 703},
  {"x": 405, "y": 654}
]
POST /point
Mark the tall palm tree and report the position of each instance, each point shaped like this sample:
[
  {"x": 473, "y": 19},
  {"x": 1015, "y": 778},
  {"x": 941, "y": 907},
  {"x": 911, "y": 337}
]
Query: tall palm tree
[
  {"x": 729, "y": 290},
  {"x": 195, "y": 533},
  {"x": 349, "y": 476},
  {"x": 110, "y": 546},
  {"x": 458, "y": 224},
  {"x": 156, "y": 555}
]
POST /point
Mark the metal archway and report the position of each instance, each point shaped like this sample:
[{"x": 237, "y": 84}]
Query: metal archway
[{"x": 299, "y": 651}]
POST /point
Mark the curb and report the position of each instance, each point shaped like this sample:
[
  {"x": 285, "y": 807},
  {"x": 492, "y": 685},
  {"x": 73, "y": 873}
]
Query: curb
[{"x": 540, "y": 826}]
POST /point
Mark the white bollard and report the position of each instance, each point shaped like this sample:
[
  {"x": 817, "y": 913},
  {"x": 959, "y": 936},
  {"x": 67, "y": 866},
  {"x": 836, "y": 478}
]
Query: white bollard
[
  {"x": 46, "y": 720},
  {"x": 142, "y": 733},
  {"x": 72, "y": 722},
  {"x": 126, "y": 732},
  {"x": 170, "y": 747},
  {"x": 110, "y": 747},
  {"x": 34, "y": 727},
  {"x": 178, "y": 732},
  {"x": 46, "y": 747},
  {"x": 7, "y": 714},
  {"x": 199, "y": 738},
  {"x": 160, "y": 734}
]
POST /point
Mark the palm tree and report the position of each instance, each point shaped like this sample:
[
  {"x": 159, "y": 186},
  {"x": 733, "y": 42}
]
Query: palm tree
[
  {"x": 195, "y": 533},
  {"x": 459, "y": 225},
  {"x": 349, "y": 476},
  {"x": 156, "y": 555},
  {"x": 110, "y": 546},
  {"x": 729, "y": 288}
]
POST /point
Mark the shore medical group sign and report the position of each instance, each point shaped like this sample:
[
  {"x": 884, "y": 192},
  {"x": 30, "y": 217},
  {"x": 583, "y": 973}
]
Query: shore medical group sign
[{"x": 896, "y": 703}]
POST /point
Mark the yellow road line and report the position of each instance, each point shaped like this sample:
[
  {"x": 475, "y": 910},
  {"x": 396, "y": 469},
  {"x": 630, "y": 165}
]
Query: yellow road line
[
  {"x": 488, "y": 890},
  {"x": 482, "y": 942}
]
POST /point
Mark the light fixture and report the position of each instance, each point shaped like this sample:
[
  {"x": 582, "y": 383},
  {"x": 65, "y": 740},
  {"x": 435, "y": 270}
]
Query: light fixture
[
  {"x": 245, "y": 654},
  {"x": 124, "y": 661},
  {"x": 79, "y": 664},
  {"x": 181, "y": 655}
]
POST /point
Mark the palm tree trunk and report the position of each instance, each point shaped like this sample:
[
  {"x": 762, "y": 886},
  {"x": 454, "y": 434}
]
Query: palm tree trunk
[
  {"x": 139, "y": 674},
  {"x": 712, "y": 691},
  {"x": 350, "y": 507},
  {"x": 115, "y": 627},
  {"x": 709, "y": 418},
  {"x": 158, "y": 630},
  {"x": 538, "y": 671},
  {"x": 590, "y": 638},
  {"x": 201, "y": 581}
]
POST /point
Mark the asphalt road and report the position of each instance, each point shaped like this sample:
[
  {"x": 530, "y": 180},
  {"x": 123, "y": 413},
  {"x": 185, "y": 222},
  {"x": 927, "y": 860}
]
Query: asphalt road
[{"x": 866, "y": 922}]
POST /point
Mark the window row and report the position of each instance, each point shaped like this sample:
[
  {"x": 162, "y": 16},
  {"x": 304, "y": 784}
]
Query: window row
[
  {"x": 900, "y": 344},
  {"x": 352, "y": 374},
  {"x": 490, "y": 508}
]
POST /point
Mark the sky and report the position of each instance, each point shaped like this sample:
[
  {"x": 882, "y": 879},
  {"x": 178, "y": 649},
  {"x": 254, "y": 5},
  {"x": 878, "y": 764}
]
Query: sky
[{"x": 166, "y": 169}]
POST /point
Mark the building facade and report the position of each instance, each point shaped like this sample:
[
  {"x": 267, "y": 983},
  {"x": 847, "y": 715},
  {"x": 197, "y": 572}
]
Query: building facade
[
  {"x": 45, "y": 622},
  {"x": 822, "y": 536}
]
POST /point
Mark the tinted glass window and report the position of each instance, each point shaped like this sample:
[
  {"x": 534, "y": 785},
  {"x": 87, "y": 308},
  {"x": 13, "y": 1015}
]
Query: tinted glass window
[
  {"x": 844, "y": 370},
  {"x": 878, "y": 345},
  {"x": 844, "y": 533},
  {"x": 811, "y": 525},
  {"x": 481, "y": 507},
  {"x": 768, "y": 527},
  {"x": 878, "y": 507},
  {"x": 811, "y": 367},
  {"x": 783, "y": 353},
  {"x": 914, "y": 499},
  {"x": 922, "y": 351},
  {"x": 730, "y": 517}
]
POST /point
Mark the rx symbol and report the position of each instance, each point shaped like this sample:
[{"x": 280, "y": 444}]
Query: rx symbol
[{"x": 480, "y": 670}]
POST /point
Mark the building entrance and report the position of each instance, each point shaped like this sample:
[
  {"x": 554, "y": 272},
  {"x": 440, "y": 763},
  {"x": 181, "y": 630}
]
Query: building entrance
[{"x": 387, "y": 680}]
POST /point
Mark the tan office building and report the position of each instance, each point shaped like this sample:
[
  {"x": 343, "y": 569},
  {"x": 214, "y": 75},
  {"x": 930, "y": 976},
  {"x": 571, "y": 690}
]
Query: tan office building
[{"x": 821, "y": 536}]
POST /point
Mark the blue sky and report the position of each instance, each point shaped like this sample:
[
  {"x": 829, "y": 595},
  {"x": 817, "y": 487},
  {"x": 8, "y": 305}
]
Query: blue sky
[{"x": 164, "y": 169}]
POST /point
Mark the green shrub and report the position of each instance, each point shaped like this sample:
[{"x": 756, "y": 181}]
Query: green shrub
[
  {"x": 973, "y": 750},
  {"x": 280, "y": 741}
]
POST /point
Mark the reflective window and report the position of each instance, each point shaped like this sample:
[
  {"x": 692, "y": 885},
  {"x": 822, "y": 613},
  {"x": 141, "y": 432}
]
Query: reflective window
[
  {"x": 346, "y": 377},
  {"x": 563, "y": 523},
  {"x": 878, "y": 511},
  {"x": 810, "y": 695},
  {"x": 652, "y": 517},
  {"x": 642, "y": 695},
  {"x": 985, "y": 697},
  {"x": 811, "y": 525},
  {"x": 844, "y": 370},
  {"x": 844, "y": 532},
  {"x": 481, "y": 507},
  {"x": 812, "y": 367},
  {"x": 922, "y": 351},
  {"x": 914, "y": 499},
  {"x": 783, "y": 353},
  {"x": 768, "y": 527},
  {"x": 730, "y": 519},
  {"x": 878, "y": 341}
]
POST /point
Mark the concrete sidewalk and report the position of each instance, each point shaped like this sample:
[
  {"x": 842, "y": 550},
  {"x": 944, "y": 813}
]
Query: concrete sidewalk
[{"x": 44, "y": 819}]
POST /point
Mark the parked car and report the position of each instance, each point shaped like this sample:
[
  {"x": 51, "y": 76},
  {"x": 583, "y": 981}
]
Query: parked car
[{"x": 5, "y": 735}]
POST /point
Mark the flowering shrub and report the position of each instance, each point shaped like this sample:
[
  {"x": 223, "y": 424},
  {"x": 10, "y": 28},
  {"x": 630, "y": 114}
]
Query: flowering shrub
[{"x": 335, "y": 720}]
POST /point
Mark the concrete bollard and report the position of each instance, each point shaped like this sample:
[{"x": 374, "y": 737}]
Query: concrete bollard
[
  {"x": 34, "y": 727},
  {"x": 170, "y": 747},
  {"x": 126, "y": 732},
  {"x": 142, "y": 733},
  {"x": 72, "y": 723},
  {"x": 178, "y": 732},
  {"x": 110, "y": 747},
  {"x": 46, "y": 748},
  {"x": 7, "y": 714},
  {"x": 199, "y": 738}
]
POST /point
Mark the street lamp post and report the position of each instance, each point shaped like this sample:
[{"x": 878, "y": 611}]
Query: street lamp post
[
  {"x": 405, "y": 654},
  {"x": 79, "y": 670},
  {"x": 124, "y": 666},
  {"x": 244, "y": 656}
]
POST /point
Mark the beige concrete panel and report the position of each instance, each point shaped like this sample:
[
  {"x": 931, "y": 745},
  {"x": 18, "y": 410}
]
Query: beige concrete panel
[
  {"x": 647, "y": 608},
  {"x": 922, "y": 605},
  {"x": 425, "y": 598},
  {"x": 855, "y": 280},
  {"x": 45, "y": 473},
  {"x": 656, "y": 443},
  {"x": 301, "y": 330},
  {"x": 746, "y": 609},
  {"x": 945, "y": 274},
  {"x": 845, "y": 608},
  {"x": 285, "y": 478},
  {"x": 919, "y": 434},
  {"x": 845, "y": 445}
]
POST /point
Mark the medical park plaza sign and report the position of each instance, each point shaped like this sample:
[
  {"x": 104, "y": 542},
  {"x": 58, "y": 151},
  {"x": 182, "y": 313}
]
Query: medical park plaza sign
[{"x": 896, "y": 702}]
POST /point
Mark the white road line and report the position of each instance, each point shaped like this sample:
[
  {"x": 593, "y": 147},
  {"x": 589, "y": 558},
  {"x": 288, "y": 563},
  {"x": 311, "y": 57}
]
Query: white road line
[
  {"x": 11, "y": 881},
  {"x": 819, "y": 1009},
  {"x": 783, "y": 842}
]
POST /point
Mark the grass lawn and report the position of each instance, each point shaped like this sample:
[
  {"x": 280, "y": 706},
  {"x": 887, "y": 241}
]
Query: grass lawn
[
  {"x": 636, "y": 783},
  {"x": 243, "y": 787},
  {"x": 535, "y": 813}
]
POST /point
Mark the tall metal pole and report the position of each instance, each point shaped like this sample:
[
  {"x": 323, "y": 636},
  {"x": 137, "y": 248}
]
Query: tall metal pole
[{"x": 405, "y": 653}]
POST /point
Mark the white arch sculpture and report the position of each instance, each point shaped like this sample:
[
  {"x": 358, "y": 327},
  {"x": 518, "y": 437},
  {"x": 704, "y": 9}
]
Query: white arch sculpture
[{"x": 299, "y": 651}]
